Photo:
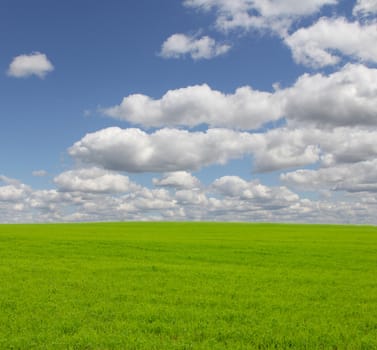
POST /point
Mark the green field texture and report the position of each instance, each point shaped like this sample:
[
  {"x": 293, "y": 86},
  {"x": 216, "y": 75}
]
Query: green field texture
[{"x": 188, "y": 286}]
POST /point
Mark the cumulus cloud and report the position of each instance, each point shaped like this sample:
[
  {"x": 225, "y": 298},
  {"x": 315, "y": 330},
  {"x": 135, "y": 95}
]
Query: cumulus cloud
[
  {"x": 194, "y": 105},
  {"x": 344, "y": 98},
  {"x": 148, "y": 200},
  {"x": 356, "y": 177},
  {"x": 94, "y": 180},
  {"x": 325, "y": 42},
  {"x": 11, "y": 193},
  {"x": 343, "y": 102},
  {"x": 259, "y": 14},
  {"x": 228, "y": 198},
  {"x": 134, "y": 150},
  {"x": 347, "y": 146},
  {"x": 180, "y": 45},
  {"x": 191, "y": 197},
  {"x": 234, "y": 186},
  {"x": 12, "y": 190},
  {"x": 27, "y": 65},
  {"x": 287, "y": 148},
  {"x": 286, "y": 156},
  {"x": 178, "y": 180},
  {"x": 365, "y": 7}
]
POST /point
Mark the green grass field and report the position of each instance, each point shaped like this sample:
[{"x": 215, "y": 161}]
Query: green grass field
[{"x": 188, "y": 286}]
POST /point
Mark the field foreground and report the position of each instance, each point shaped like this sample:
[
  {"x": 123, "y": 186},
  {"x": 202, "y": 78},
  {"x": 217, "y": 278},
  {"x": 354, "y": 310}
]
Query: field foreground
[{"x": 188, "y": 286}]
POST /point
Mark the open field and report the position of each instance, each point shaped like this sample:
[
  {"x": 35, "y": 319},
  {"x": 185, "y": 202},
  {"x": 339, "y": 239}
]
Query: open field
[{"x": 188, "y": 286}]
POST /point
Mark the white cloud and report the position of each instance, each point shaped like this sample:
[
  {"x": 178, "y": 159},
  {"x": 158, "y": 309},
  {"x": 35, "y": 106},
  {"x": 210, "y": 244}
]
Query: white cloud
[
  {"x": 286, "y": 156},
  {"x": 324, "y": 43},
  {"x": 283, "y": 148},
  {"x": 275, "y": 15},
  {"x": 26, "y": 65},
  {"x": 11, "y": 193},
  {"x": 234, "y": 186},
  {"x": 357, "y": 177},
  {"x": 94, "y": 180},
  {"x": 365, "y": 7},
  {"x": 12, "y": 190},
  {"x": 178, "y": 180},
  {"x": 229, "y": 198},
  {"x": 348, "y": 145},
  {"x": 286, "y": 148},
  {"x": 148, "y": 200},
  {"x": 191, "y": 197},
  {"x": 134, "y": 150},
  {"x": 199, "y": 104},
  {"x": 344, "y": 98},
  {"x": 180, "y": 45}
]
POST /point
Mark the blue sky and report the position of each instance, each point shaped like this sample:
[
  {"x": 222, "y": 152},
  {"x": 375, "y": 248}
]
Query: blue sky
[{"x": 243, "y": 110}]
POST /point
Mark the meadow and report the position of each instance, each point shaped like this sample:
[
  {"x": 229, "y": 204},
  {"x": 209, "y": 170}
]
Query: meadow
[{"x": 188, "y": 286}]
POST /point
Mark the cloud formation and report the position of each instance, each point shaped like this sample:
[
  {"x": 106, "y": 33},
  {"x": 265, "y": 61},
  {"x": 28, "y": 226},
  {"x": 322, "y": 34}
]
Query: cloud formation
[
  {"x": 269, "y": 15},
  {"x": 246, "y": 108},
  {"x": 326, "y": 41},
  {"x": 357, "y": 177},
  {"x": 320, "y": 130},
  {"x": 228, "y": 198},
  {"x": 365, "y": 7},
  {"x": 234, "y": 186},
  {"x": 346, "y": 97},
  {"x": 134, "y": 150},
  {"x": 24, "y": 66},
  {"x": 93, "y": 180},
  {"x": 178, "y": 180},
  {"x": 181, "y": 45}
]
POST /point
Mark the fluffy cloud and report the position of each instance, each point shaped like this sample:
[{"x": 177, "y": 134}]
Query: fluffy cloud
[
  {"x": 357, "y": 177},
  {"x": 286, "y": 156},
  {"x": 343, "y": 102},
  {"x": 324, "y": 42},
  {"x": 345, "y": 98},
  {"x": 178, "y": 180},
  {"x": 11, "y": 193},
  {"x": 365, "y": 7},
  {"x": 347, "y": 146},
  {"x": 286, "y": 148},
  {"x": 179, "y": 45},
  {"x": 260, "y": 14},
  {"x": 12, "y": 190},
  {"x": 26, "y": 65},
  {"x": 93, "y": 180},
  {"x": 195, "y": 105},
  {"x": 234, "y": 186},
  {"x": 134, "y": 150},
  {"x": 229, "y": 198}
]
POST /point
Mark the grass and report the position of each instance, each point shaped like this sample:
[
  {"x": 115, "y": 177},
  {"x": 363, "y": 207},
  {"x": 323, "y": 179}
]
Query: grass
[{"x": 188, "y": 286}]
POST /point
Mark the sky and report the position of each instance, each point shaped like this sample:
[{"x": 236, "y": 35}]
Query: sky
[{"x": 188, "y": 110}]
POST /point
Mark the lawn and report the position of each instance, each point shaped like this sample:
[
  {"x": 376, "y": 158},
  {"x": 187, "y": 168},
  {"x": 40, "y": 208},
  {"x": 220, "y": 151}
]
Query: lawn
[{"x": 188, "y": 286}]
